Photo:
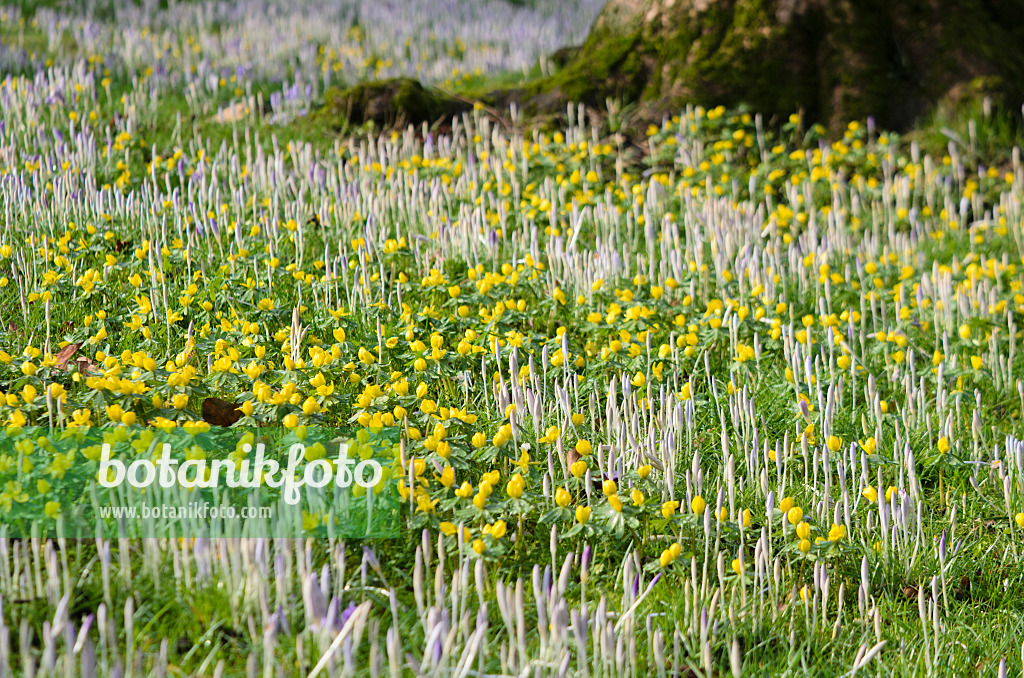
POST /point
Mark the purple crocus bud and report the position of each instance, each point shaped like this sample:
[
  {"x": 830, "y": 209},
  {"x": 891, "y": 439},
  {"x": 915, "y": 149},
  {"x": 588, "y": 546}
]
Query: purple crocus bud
[
  {"x": 347, "y": 613},
  {"x": 585, "y": 560},
  {"x": 83, "y": 633}
]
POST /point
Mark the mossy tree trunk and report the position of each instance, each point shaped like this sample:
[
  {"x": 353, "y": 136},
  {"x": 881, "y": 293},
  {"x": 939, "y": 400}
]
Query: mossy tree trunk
[{"x": 836, "y": 60}]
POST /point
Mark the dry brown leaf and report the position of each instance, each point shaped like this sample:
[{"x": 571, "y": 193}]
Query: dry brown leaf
[
  {"x": 220, "y": 412},
  {"x": 64, "y": 355}
]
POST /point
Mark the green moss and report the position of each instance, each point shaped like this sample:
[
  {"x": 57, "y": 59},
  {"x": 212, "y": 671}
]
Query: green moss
[
  {"x": 389, "y": 102},
  {"x": 836, "y": 61},
  {"x": 608, "y": 65}
]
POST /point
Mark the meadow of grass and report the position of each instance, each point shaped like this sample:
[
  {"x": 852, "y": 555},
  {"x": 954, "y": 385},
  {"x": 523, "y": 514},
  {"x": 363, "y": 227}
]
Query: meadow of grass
[{"x": 739, "y": 399}]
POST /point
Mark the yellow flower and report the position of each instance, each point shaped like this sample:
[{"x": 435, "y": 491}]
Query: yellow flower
[
  {"x": 836, "y": 532},
  {"x": 698, "y": 504},
  {"x": 425, "y": 504},
  {"x": 787, "y": 503},
  {"x": 943, "y": 444},
  {"x": 804, "y": 546},
  {"x": 668, "y": 509},
  {"x": 583, "y": 447},
  {"x": 447, "y": 529},
  {"x": 479, "y": 546},
  {"x": 579, "y": 468},
  {"x": 448, "y": 476},
  {"x": 870, "y": 493},
  {"x": 514, "y": 488},
  {"x": 795, "y": 515},
  {"x": 582, "y": 514},
  {"x": 562, "y": 497},
  {"x": 803, "y": 530},
  {"x": 52, "y": 509}
]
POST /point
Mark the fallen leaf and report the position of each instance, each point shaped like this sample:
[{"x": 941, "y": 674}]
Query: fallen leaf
[
  {"x": 64, "y": 355},
  {"x": 571, "y": 456},
  {"x": 84, "y": 365},
  {"x": 220, "y": 412},
  {"x": 232, "y": 113}
]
